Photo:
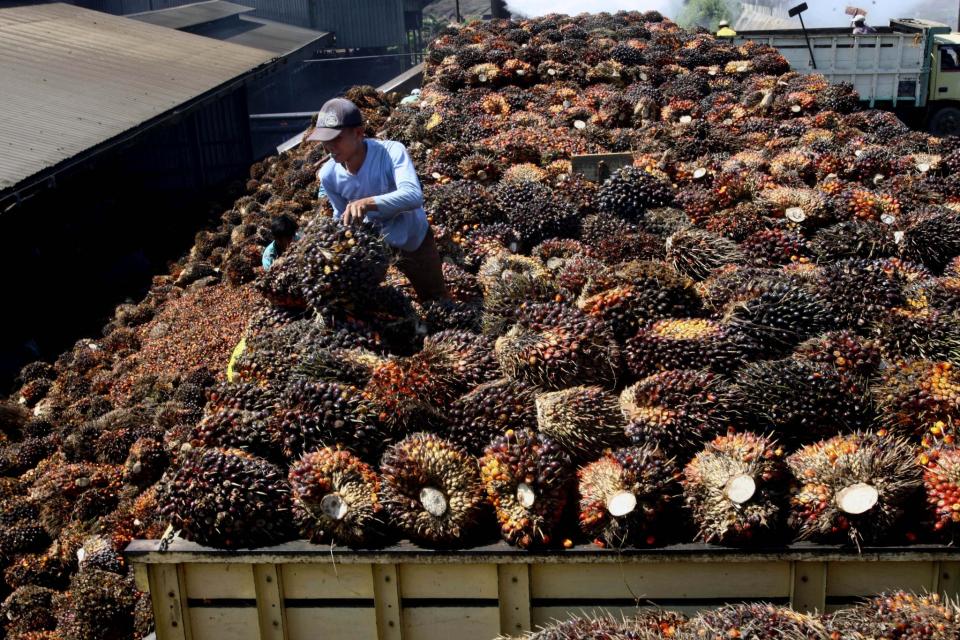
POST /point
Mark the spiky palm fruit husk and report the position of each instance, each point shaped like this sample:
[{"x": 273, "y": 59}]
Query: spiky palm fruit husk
[
  {"x": 624, "y": 496},
  {"x": 801, "y": 206},
  {"x": 469, "y": 356},
  {"x": 444, "y": 315},
  {"x": 412, "y": 391},
  {"x": 502, "y": 266},
  {"x": 853, "y": 239},
  {"x": 613, "y": 239},
  {"x": 459, "y": 204},
  {"x": 511, "y": 287},
  {"x": 898, "y": 616},
  {"x": 695, "y": 253},
  {"x": 864, "y": 204},
  {"x": 908, "y": 334},
  {"x": 735, "y": 488},
  {"x": 771, "y": 247},
  {"x": 781, "y": 316},
  {"x": 98, "y": 553},
  {"x": 28, "y": 608},
  {"x": 553, "y": 346},
  {"x": 676, "y": 410},
  {"x": 336, "y": 498},
  {"x": 555, "y": 252},
  {"x": 311, "y": 414},
  {"x": 851, "y": 354},
  {"x": 646, "y": 626},
  {"x": 23, "y": 537},
  {"x": 432, "y": 489},
  {"x": 72, "y": 492},
  {"x": 941, "y": 481},
  {"x": 759, "y": 621},
  {"x": 912, "y": 395},
  {"x": 629, "y": 192},
  {"x": 340, "y": 263},
  {"x": 98, "y": 606},
  {"x": 737, "y": 223},
  {"x": 637, "y": 292},
  {"x": 793, "y": 167},
  {"x": 577, "y": 271},
  {"x": 930, "y": 236},
  {"x": 146, "y": 462},
  {"x": 582, "y": 420},
  {"x": 852, "y": 486},
  {"x": 535, "y": 212},
  {"x": 488, "y": 411},
  {"x": 801, "y": 400},
  {"x": 244, "y": 396},
  {"x": 527, "y": 477},
  {"x": 251, "y": 431},
  {"x": 226, "y": 498},
  {"x": 684, "y": 343},
  {"x": 282, "y": 284}
]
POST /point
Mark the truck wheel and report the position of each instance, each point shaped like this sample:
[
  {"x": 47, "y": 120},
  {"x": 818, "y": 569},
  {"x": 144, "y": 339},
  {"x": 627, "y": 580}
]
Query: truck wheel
[{"x": 946, "y": 122}]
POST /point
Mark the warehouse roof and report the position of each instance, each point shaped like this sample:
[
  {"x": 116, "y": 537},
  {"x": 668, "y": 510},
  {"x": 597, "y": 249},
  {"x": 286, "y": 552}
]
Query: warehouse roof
[
  {"x": 73, "y": 79},
  {"x": 189, "y": 15}
]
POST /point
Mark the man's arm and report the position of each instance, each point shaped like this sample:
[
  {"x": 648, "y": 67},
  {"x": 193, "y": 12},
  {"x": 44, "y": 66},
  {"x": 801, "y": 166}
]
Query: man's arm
[{"x": 408, "y": 194}]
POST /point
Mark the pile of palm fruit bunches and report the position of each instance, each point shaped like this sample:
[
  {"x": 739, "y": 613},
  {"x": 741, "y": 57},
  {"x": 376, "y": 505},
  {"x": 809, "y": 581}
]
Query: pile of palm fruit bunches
[{"x": 751, "y": 331}]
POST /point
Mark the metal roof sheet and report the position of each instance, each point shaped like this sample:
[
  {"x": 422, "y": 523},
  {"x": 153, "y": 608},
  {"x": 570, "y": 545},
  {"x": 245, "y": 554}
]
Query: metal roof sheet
[
  {"x": 189, "y": 15},
  {"x": 73, "y": 78}
]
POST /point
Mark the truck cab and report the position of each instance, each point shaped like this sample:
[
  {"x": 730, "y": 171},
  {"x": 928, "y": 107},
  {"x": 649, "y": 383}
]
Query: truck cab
[{"x": 945, "y": 79}]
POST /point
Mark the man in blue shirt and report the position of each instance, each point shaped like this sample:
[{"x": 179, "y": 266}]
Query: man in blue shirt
[
  {"x": 284, "y": 231},
  {"x": 375, "y": 180}
]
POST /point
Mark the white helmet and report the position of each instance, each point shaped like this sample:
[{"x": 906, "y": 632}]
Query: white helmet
[
  {"x": 723, "y": 23},
  {"x": 858, "y": 18}
]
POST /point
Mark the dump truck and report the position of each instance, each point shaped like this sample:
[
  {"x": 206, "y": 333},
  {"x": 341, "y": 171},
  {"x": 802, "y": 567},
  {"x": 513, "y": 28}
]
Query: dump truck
[{"x": 911, "y": 66}]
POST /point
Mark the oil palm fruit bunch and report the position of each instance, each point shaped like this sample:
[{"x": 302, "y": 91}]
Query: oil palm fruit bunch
[
  {"x": 851, "y": 354},
  {"x": 528, "y": 478},
  {"x": 781, "y": 316},
  {"x": 535, "y": 212},
  {"x": 250, "y": 431},
  {"x": 98, "y": 606},
  {"x": 313, "y": 414},
  {"x": 489, "y": 411},
  {"x": 684, "y": 343},
  {"x": 554, "y": 346},
  {"x": 411, "y": 391},
  {"x": 504, "y": 296},
  {"x": 770, "y": 247},
  {"x": 801, "y": 400},
  {"x": 614, "y": 239},
  {"x": 340, "y": 263},
  {"x": 336, "y": 498},
  {"x": 676, "y": 410},
  {"x": 625, "y": 494},
  {"x": 647, "y": 625},
  {"x": 146, "y": 462},
  {"x": 941, "y": 481},
  {"x": 911, "y": 396},
  {"x": 860, "y": 291},
  {"x": 926, "y": 333},
  {"x": 28, "y": 609},
  {"x": 582, "y": 420},
  {"x": 637, "y": 292},
  {"x": 432, "y": 489},
  {"x": 629, "y": 192},
  {"x": 226, "y": 498},
  {"x": 929, "y": 236},
  {"x": 469, "y": 356},
  {"x": 854, "y": 239},
  {"x": 755, "y": 620},
  {"x": 852, "y": 486},
  {"x": 282, "y": 284},
  {"x": 735, "y": 488},
  {"x": 98, "y": 553},
  {"x": 695, "y": 253},
  {"x": 898, "y": 615}
]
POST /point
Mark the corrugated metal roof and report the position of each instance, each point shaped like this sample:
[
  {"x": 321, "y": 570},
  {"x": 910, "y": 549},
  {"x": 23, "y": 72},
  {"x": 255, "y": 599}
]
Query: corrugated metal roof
[
  {"x": 269, "y": 35},
  {"x": 189, "y": 15},
  {"x": 73, "y": 78}
]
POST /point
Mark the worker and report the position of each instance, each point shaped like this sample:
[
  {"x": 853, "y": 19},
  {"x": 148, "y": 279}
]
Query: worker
[
  {"x": 375, "y": 180},
  {"x": 284, "y": 230},
  {"x": 860, "y": 25},
  {"x": 725, "y": 31}
]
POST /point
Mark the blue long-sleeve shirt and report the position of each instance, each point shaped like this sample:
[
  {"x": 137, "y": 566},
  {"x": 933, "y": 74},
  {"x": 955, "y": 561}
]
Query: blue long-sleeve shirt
[{"x": 388, "y": 175}]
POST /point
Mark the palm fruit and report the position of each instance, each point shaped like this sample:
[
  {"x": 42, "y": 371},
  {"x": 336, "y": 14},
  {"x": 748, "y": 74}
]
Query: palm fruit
[
  {"x": 637, "y": 292},
  {"x": 906, "y": 334},
  {"x": 801, "y": 400},
  {"x": 683, "y": 343},
  {"x": 629, "y": 192},
  {"x": 929, "y": 236},
  {"x": 646, "y": 625},
  {"x": 582, "y": 420},
  {"x": 97, "y": 553},
  {"x": 336, "y": 498},
  {"x": 469, "y": 356},
  {"x": 897, "y": 616},
  {"x": 757, "y": 621},
  {"x": 98, "y": 606},
  {"x": 527, "y": 477},
  {"x": 941, "y": 481},
  {"x": 553, "y": 345},
  {"x": 735, "y": 488},
  {"x": 432, "y": 489},
  {"x": 770, "y": 247},
  {"x": 854, "y": 486},
  {"x": 851, "y": 354},
  {"x": 251, "y": 431},
  {"x": 535, "y": 212},
  {"x": 488, "y": 411},
  {"x": 27, "y": 609},
  {"x": 676, "y": 410},
  {"x": 23, "y": 537},
  {"x": 911, "y": 396},
  {"x": 695, "y": 253},
  {"x": 20, "y": 457},
  {"x": 226, "y": 498},
  {"x": 46, "y": 569},
  {"x": 780, "y": 317},
  {"x": 71, "y": 492},
  {"x": 147, "y": 461},
  {"x": 459, "y": 204},
  {"x": 282, "y": 284},
  {"x": 613, "y": 239},
  {"x": 624, "y": 496},
  {"x": 312, "y": 414},
  {"x": 340, "y": 263},
  {"x": 508, "y": 281},
  {"x": 411, "y": 392},
  {"x": 854, "y": 239}
]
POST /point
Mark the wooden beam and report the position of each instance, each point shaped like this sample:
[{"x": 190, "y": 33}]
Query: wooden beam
[
  {"x": 809, "y": 590},
  {"x": 386, "y": 594},
  {"x": 273, "y": 624},
  {"x": 169, "y": 602},
  {"x": 514, "y": 593}
]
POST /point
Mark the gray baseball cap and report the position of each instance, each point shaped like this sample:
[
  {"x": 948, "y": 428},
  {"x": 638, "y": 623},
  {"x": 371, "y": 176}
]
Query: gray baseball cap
[{"x": 335, "y": 115}]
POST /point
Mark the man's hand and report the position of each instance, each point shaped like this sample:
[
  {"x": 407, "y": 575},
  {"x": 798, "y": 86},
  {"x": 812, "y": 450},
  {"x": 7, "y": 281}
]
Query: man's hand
[{"x": 356, "y": 211}]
